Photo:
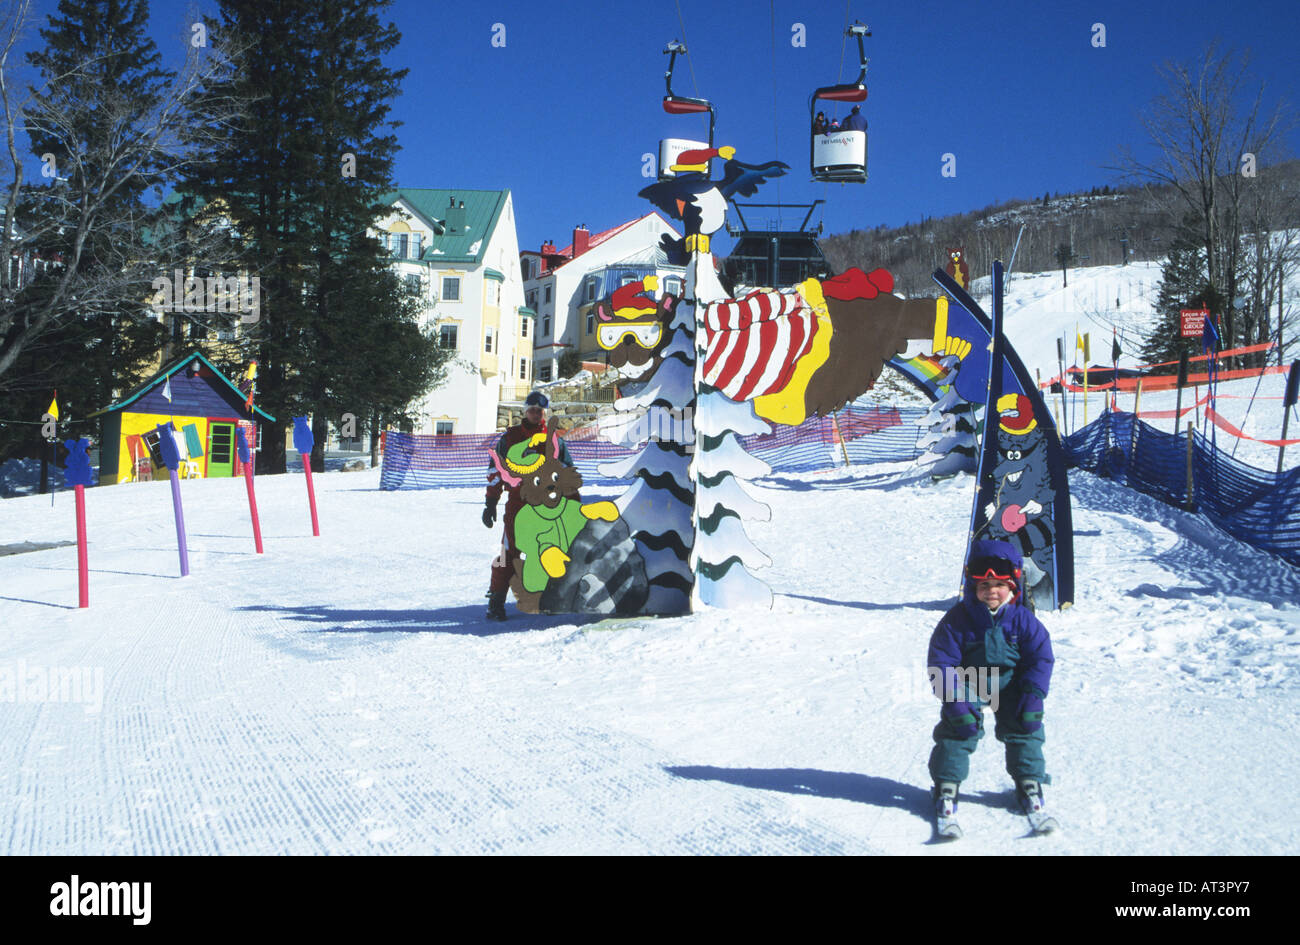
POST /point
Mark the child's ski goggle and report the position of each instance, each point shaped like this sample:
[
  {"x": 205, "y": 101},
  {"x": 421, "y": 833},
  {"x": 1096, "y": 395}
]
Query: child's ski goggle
[
  {"x": 992, "y": 569},
  {"x": 647, "y": 336}
]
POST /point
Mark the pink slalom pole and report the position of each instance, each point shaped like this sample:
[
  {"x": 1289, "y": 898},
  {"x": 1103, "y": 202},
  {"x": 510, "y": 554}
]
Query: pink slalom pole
[{"x": 83, "y": 559}]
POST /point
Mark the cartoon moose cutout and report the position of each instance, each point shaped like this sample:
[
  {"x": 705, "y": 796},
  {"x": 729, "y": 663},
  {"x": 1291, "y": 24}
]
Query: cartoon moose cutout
[{"x": 554, "y": 527}]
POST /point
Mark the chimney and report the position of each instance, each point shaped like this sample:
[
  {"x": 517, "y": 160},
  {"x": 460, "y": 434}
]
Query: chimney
[
  {"x": 456, "y": 216},
  {"x": 580, "y": 238}
]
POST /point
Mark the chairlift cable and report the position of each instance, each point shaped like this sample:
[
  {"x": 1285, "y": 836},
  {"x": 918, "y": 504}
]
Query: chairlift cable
[
  {"x": 686, "y": 42},
  {"x": 776, "y": 140},
  {"x": 839, "y": 73}
]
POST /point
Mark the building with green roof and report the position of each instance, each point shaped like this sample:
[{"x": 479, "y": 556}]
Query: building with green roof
[{"x": 460, "y": 247}]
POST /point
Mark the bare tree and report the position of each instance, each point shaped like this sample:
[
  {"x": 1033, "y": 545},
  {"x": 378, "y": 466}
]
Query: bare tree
[
  {"x": 71, "y": 248},
  {"x": 1211, "y": 135}
]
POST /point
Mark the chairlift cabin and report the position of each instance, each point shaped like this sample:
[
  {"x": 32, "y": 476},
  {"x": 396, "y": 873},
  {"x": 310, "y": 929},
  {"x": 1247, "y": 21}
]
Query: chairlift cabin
[
  {"x": 840, "y": 156},
  {"x": 674, "y": 104}
]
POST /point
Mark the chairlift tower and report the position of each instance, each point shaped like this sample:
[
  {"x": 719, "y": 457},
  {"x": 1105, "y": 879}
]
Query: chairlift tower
[{"x": 773, "y": 256}]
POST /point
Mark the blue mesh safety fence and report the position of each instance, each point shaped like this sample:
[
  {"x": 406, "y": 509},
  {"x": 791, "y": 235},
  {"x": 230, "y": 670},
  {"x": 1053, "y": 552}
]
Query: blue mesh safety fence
[
  {"x": 871, "y": 434},
  {"x": 1253, "y": 505}
]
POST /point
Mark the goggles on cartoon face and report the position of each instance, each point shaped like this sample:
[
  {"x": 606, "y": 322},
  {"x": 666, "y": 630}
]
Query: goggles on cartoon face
[{"x": 645, "y": 334}]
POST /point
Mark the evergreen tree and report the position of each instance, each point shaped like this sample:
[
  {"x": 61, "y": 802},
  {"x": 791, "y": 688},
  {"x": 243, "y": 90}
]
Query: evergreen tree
[
  {"x": 1183, "y": 284},
  {"x": 301, "y": 180}
]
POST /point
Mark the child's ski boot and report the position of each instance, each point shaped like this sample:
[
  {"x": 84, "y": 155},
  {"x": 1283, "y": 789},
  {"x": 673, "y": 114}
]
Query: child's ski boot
[
  {"x": 944, "y": 795},
  {"x": 1030, "y": 795}
]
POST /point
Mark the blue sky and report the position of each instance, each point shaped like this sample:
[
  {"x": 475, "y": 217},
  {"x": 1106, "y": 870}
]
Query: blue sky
[{"x": 1015, "y": 90}]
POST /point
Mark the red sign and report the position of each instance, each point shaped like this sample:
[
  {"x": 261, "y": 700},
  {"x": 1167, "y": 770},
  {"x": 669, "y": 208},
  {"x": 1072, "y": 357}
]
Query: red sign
[{"x": 1193, "y": 320}]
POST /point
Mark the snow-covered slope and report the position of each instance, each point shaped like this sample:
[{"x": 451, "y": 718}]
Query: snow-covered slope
[{"x": 343, "y": 694}]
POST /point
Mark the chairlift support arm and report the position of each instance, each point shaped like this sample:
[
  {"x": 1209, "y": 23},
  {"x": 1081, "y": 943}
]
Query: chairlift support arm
[
  {"x": 675, "y": 104},
  {"x": 855, "y": 91}
]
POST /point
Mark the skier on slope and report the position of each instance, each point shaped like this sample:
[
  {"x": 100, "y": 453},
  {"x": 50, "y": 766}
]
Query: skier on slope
[
  {"x": 989, "y": 649},
  {"x": 503, "y": 565}
]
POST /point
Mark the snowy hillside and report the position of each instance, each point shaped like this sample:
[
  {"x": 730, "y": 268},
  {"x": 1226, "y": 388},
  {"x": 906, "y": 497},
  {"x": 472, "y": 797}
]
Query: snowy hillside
[{"x": 344, "y": 695}]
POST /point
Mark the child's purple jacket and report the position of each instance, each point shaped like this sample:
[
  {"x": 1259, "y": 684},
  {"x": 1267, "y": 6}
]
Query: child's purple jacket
[{"x": 963, "y": 638}]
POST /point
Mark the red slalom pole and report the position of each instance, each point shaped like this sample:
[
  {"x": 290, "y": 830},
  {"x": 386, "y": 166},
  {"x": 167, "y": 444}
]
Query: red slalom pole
[
  {"x": 77, "y": 474},
  {"x": 252, "y": 508},
  {"x": 246, "y": 460},
  {"x": 83, "y": 559}
]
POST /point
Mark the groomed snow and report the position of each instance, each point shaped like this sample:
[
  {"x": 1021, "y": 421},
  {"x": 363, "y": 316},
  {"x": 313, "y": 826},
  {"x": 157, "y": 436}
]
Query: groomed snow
[{"x": 343, "y": 694}]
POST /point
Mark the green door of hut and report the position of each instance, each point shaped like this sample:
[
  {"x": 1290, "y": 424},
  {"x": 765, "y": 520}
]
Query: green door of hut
[{"x": 221, "y": 449}]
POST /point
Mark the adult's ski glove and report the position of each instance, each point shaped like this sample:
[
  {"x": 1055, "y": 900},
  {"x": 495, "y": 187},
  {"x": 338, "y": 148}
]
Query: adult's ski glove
[{"x": 490, "y": 514}]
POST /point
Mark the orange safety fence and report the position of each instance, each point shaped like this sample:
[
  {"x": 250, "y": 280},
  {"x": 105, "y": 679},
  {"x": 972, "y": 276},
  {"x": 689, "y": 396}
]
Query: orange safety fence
[
  {"x": 1157, "y": 382},
  {"x": 1227, "y": 427}
]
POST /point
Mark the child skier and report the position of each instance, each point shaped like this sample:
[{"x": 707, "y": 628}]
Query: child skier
[{"x": 990, "y": 649}]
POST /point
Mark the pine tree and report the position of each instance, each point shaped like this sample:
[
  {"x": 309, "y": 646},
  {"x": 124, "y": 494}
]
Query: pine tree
[
  {"x": 658, "y": 506},
  {"x": 302, "y": 180},
  {"x": 1183, "y": 284}
]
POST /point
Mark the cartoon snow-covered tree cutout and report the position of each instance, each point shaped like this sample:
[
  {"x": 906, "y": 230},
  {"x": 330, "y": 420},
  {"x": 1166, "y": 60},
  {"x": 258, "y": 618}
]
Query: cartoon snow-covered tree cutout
[{"x": 659, "y": 505}]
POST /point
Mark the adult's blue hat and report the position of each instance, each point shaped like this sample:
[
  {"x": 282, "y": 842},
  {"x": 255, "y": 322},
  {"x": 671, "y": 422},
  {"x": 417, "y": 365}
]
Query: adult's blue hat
[{"x": 536, "y": 399}]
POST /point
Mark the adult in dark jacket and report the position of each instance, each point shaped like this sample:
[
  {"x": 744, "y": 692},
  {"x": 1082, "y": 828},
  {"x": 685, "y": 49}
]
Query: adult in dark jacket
[
  {"x": 503, "y": 565},
  {"x": 855, "y": 121},
  {"x": 989, "y": 649}
]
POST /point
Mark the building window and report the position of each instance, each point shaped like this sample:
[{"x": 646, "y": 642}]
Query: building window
[
  {"x": 590, "y": 291},
  {"x": 527, "y": 268},
  {"x": 544, "y": 373},
  {"x": 444, "y": 427},
  {"x": 413, "y": 283},
  {"x": 493, "y": 292},
  {"x": 673, "y": 285},
  {"x": 399, "y": 245},
  {"x": 523, "y": 328},
  {"x": 546, "y": 324},
  {"x": 451, "y": 288},
  {"x": 447, "y": 336},
  {"x": 591, "y": 322},
  {"x": 548, "y": 293},
  {"x": 417, "y": 241},
  {"x": 523, "y": 369},
  {"x": 487, "y": 342},
  {"x": 532, "y": 298}
]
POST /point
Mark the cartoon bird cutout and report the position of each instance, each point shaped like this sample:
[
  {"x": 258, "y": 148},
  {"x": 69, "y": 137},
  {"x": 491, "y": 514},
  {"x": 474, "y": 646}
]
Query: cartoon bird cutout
[
  {"x": 700, "y": 203},
  {"x": 957, "y": 267},
  {"x": 813, "y": 350}
]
